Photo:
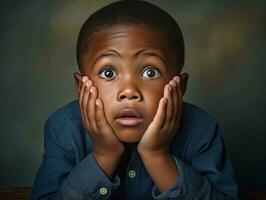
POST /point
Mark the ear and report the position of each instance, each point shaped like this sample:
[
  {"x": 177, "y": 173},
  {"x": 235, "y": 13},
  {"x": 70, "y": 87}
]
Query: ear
[
  {"x": 78, "y": 81},
  {"x": 184, "y": 81}
]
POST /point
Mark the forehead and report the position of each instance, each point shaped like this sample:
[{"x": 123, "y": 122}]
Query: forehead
[{"x": 128, "y": 41}]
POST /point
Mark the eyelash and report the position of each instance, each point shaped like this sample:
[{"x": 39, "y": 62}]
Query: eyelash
[
  {"x": 157, "y": 73},
  {"x": 103, "y": 76},
  {"x": 104, "y": 69}
]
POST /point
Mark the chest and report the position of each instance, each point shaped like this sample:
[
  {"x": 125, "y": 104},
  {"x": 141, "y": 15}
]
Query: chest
[{"x": 135, "y": 181}]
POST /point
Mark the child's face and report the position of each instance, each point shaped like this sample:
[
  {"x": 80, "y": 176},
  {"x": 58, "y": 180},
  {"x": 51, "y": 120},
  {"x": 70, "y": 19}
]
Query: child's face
[{"x": 130, "y": 66}]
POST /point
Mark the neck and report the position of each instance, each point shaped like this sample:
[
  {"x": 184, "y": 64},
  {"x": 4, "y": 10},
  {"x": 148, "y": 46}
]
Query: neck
[{"x": 130, "y": 145}]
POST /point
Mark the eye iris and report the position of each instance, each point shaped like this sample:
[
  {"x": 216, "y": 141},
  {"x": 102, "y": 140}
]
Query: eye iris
[
  {"x": 109, "y": 73},
  {"x": 151, "y": 73}
]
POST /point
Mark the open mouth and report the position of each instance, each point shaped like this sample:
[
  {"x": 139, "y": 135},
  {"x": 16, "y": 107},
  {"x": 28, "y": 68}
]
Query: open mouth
[{"x": 129, "y": 117}]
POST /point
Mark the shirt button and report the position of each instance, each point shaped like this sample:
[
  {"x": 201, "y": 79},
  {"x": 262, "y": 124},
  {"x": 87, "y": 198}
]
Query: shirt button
[
  {"x": 131, "y": 174},
  {"x": 103, "y": 191}
]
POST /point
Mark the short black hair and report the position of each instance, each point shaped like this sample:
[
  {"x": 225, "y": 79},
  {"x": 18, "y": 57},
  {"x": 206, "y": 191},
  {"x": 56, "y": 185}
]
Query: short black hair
[{"x": 132, "y": 12}]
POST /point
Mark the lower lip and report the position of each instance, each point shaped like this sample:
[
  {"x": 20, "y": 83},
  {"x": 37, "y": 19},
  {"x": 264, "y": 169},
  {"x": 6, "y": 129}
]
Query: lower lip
[{"x": 129, "y": 121}]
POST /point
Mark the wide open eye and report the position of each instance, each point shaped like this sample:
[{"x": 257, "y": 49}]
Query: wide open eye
[
  {"x": 150, "y": 73},
  {"x": 108, "y": 73}
]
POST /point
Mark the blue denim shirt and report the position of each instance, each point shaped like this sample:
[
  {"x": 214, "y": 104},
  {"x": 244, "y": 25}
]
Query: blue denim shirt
[{"x": 69, "y": 171}]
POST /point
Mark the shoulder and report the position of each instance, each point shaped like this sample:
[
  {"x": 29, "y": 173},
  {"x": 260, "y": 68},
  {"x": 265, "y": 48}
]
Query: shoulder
[
  {"x": 64, "y": 114},
  {"x": 64, "y": 131},
  {"x": 64, "y": 126},
  {"x": 194, "y": 116},
  {"x": 197, "y": 128}
]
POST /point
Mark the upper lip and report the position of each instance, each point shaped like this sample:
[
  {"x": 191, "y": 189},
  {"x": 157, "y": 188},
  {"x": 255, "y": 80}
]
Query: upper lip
[{"x": 128, "y": 112}]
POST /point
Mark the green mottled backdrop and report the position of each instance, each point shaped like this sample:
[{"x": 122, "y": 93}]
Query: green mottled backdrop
[{"x": 225, "y": 56}]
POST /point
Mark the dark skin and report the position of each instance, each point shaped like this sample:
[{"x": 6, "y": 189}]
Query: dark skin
[{"x": 130, "y": 69}]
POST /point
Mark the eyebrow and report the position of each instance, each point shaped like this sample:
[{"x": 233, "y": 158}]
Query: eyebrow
[
  {"x": 110, "y": 53},
  {"x": 146, "y": 52},
  {"x": 114, "y": 53}
]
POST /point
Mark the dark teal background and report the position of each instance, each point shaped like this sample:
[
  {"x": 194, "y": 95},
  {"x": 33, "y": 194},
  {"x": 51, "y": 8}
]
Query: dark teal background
[{"x": 225, "y": 57}]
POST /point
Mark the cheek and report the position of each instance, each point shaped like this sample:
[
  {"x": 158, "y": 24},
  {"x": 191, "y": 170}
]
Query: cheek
[
  {"x": 152, "y": 98},
  {"x": 104, "y": 90},
  {"x": 107, "y": 95}
]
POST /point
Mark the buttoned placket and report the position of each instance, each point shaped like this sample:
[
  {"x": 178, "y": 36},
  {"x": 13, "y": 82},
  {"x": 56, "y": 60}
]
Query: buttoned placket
[{"x": 132, "y": 178}]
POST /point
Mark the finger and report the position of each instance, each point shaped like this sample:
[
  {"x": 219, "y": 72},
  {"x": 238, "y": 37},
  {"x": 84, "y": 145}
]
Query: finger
[
  {"x": 173, "y": 120},
  {"x": 82, "y": 87},
  {"x": 86, "y": 97},
  {"x": 159, "y": 118},
  {"x": 91, "y": 108},
  {"x": 100, "y": 118},
  {"x": 173, "y": 83},
  {"x": 81, "y": 93},
  {"x": 179, "y": 97},
  {"x": 168, "y": 90}
]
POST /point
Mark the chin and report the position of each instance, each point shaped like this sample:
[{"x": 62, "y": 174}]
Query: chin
[{"x": 129, "y": 135}]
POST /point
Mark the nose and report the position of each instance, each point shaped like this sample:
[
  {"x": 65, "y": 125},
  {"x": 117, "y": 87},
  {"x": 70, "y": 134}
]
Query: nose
[{"x": 129, "y": 91}]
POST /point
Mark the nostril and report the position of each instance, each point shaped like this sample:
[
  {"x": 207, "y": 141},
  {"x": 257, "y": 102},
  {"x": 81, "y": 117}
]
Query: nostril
[
  {"x": 135, "y": 97},
  {"x": 123, "y": 97},
  {"x": 129, "y": 96}
]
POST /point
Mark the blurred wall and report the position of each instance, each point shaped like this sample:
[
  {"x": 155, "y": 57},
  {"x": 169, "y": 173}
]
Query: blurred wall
[{"x": 225, "y": 56}]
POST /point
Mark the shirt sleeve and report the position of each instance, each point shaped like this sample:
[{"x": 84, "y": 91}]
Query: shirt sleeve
[
  {"x": 59, "y": 177},
  {"x": 208, "y": 176}
]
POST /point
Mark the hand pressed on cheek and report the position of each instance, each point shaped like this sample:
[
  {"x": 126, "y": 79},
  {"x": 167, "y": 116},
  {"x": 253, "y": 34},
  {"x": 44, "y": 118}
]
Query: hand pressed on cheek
[
  {"x": 105, "y": 142},
  {"x": 166, "y": 121}
]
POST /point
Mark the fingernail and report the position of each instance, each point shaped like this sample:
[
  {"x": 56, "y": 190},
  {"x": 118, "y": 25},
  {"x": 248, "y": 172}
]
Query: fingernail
[
  {"x": 97, "y": 102},
  {"x": 177, "y": 79},
  {"x": 91, "y": 90},
  {"x": 169, "y": 88},
  {"x": 173, "y": 83},
  {"x": 84, "y": 79},
  {"x": 165, "y": 100},
  {"x": 87, "y": 84}
]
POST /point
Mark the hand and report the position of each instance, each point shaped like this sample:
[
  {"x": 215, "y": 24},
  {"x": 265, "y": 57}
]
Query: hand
[
  {"x": 105, "y": 142},
  {"x": 166, "y": 122}
]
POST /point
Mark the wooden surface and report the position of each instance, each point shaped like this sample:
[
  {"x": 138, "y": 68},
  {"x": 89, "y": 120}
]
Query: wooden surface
[
  {"x": 252, "y": 194},
  {"x": 23, "y": 193},
  {"x": 14, "y": 193}
]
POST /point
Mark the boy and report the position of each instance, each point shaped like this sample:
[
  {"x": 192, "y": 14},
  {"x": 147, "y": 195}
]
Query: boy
[{"x": 130, "y": 135}]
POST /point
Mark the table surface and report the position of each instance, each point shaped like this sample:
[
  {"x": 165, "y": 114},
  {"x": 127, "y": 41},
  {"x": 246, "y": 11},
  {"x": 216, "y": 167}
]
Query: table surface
[
  {"x": 14, "y": 193},
  {"x": 22, "y": 193}
]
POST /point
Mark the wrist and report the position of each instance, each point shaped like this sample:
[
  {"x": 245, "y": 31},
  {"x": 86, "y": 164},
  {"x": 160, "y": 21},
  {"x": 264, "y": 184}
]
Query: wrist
[
  {"x": 108, "y": 159},
  {"x": 116, "y": 151},
  {"x": 153, "y": 153},
  {"x": 155, "y": 157},
  {"x": 108, "y": 163},
  {"x": 162, "y": 169}
]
